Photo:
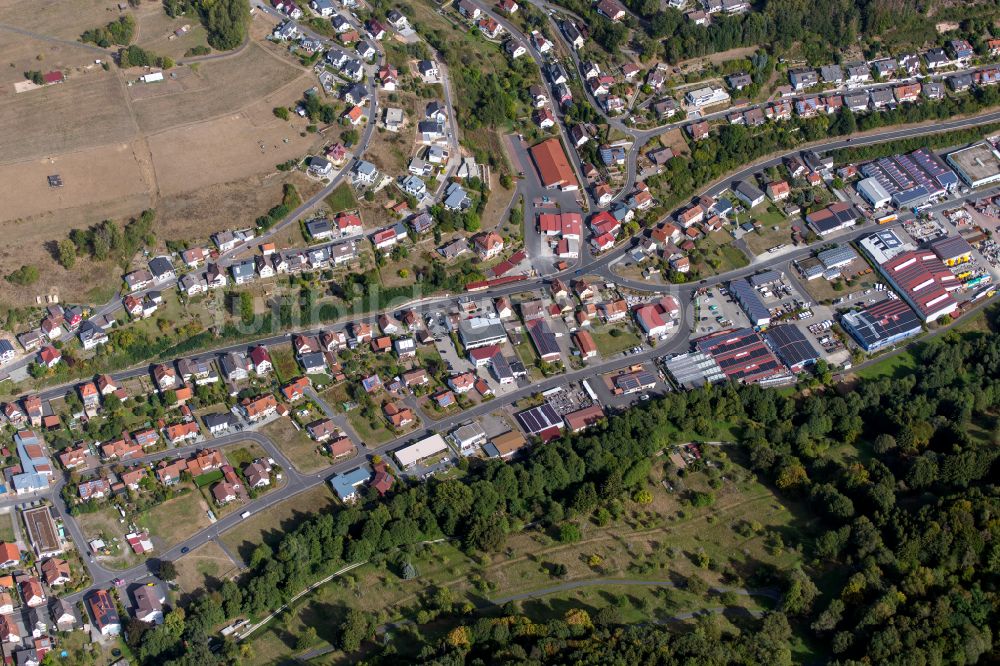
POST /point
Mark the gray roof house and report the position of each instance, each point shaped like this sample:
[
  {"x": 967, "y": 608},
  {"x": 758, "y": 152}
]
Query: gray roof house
[
  {"x": 243, "y": 271},
  {"x": 832, "y": 74},
  {"x": 319, "y": 229},
  {"x": 357, "y": 93},
  {"x": 455, "y": 198},
  {"x": 365, "y": 172}
]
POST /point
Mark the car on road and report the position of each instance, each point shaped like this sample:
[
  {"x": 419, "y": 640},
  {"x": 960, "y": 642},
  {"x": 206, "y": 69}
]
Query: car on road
[
  {"x": 118, "y": 582},
  {"x": 184, "y": 550}
]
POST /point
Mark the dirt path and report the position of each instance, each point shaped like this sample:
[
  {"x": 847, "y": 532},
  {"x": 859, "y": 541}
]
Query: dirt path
[
  {"x": 54, "y": 40},
  {"x": 593, "y": 582}
]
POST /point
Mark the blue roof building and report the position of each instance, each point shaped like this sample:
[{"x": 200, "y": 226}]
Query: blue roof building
[{"x": 346, "y": 485}]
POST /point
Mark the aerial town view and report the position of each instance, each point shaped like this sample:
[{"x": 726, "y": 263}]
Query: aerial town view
[{"x": 475, "y": 332}]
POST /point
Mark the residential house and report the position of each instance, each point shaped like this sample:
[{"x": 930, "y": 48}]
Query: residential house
[
  {"x": 259, "y": 408},
  {"x": 55, "y": 571}
]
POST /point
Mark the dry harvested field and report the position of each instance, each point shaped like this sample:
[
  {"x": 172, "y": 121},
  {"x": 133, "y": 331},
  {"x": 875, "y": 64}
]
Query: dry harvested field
[
  {"x": 84, "y": 112},
  {"x": 199, "y": 213},
  {"x": 58, "y": 18},
  {"x": 215, "y": 88},
  {"x": 121, "y": 172},
  {"x": 221, "y": 151},
  {"x": 201, "y": 148}
]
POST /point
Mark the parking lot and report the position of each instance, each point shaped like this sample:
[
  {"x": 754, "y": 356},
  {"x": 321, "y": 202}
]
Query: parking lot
[{"x": 715, "y": 310}]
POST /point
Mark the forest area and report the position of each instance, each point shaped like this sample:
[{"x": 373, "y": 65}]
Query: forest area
[
  {"x": 901, "y": 545},
  {"x": 823, "y": 29}
]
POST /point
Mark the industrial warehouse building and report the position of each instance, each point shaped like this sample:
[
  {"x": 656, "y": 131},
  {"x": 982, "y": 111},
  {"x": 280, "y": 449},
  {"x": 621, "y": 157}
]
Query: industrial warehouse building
[
  {"x": 791, "y": 346},
  {"x": 743, "y": 356},
  {"x": 481, "y": 332},
  {"x": 881, "y": 324},
  {"x": 924, "y": 282},
  {"x": 542, "y": 421},
  {"x": 873, "y": 192},
  {"x": 750, "y": 302},
  {"x": 977, "y": 165},
  {"x": 414, "y": 453},
  {"x": 912, "y": 179},
  {"x": 554, "y": 169}
]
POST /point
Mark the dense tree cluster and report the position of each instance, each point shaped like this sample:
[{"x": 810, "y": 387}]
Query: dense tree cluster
[
  {"x": 135, "y": 56},
  {"x": 118, "y": 32},
  {"x": 109, "y": 240},
  {"x": 225, "y": 21}
]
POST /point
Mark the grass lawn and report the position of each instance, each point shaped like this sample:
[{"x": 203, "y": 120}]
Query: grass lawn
[
  {"x": 7, "y": 527},
  {"x": 104, "y": 524},
  {"x": 608, "y": 345},
  {"x": 244, "y": 453},
  {"x": 526, "y": 352},
  {"x": 341, "y": 198},
  {"x": 719, "y": 254},
  {"x": 768, "y": 236},
  {"x": 268, "y": 526},
  {"x": 301, "y": 451},
  {"x": 177, "y": 519},
  {"x": 207, "y": 478},
  {"x": 366, "y": 433},
  {"x": 204, "y": 568},
  {"x": 285, "y": 365},
  {"x": 895, "y": 366},
  {"x": 336, "y": 396}
]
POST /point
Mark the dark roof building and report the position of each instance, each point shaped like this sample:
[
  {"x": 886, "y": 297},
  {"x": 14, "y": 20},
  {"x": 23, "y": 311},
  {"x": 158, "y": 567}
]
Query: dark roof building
[
  {"x": 750, "y": 301},
  {"x": 833, "y": 218},
  {"x": 791, "y": 346},
  {"x": 542, "y": 421},
  {"x": 544, "y": 340},
  {"x": 743, "y": 356},
  {"x": 881, "y": 324}
]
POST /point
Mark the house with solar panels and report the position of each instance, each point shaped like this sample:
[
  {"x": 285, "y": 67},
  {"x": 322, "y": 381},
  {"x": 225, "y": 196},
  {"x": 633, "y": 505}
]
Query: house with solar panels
[{"x": 881, "y": 324}]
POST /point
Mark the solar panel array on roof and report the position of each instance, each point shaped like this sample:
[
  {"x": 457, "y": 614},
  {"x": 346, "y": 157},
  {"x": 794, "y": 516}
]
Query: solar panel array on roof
[
  {"x": 882, "y": 324},
  {"x": 837, "y": 256},
  {"x": 911, "y": 178},
  {"x": 544, "y": 339},
  {"x": 764, "y": 279},
  {"x": 748, "y": 299},
  {"x": 791, "y": 346},
  {"x": 537, "y": 419},
  {"x": 742, "y": 355},
  {"x": 635, "y": 381}
]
